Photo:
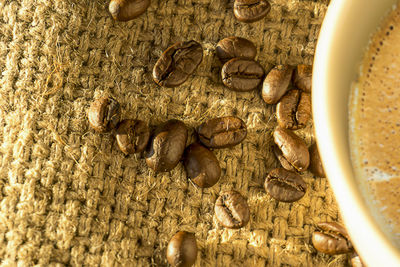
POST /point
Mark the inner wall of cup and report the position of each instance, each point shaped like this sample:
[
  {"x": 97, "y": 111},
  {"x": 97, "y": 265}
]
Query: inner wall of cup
[{"x": 375, "y": 20}]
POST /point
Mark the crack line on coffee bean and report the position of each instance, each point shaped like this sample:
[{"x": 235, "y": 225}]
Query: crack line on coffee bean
[
  {"x": 286, "y": 182},
  {"x": 228, "y": 211},
  {"x": 295, "y": 110}
]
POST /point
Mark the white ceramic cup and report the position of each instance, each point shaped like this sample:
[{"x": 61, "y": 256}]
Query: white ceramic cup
[{"x": 344, "y": 35}]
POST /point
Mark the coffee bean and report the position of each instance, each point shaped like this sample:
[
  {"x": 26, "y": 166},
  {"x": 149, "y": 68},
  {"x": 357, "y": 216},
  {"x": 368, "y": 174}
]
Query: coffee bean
[
  {"x": 355, "y": 260},
  {"x": 222, "y": 132},
  {"x": 285, "y": 164},
  {"x": 124, "y": 10},
  {"x": 303, "y": 77},
  {"x": 242, "y": 74},
  {"x": 166, "y": 146},
  {"x": 104, "y": 114},
  {"x": 177, "y": 63},
  {"x": 293, "y": 148},
  {"x": 231, "y": 210},
  {"x": 333, "y": 239},
  {"x": 294, "y": 110},
  {"x": 250, "y": 10},
  {"x": 276, "y": 83},
  {"x": 132, "y": 136},
  {"x": 201, "y": 165},
  {"x": 182, "y": 249},
  {"x": 315, "y": 162},
  {"x": 285, "y": 186},
  {"x": 235, "y": 47}
]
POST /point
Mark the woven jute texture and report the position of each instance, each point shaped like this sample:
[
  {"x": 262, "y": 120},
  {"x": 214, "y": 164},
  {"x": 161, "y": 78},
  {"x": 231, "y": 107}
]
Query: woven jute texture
[{"x": 68, "y": 196}]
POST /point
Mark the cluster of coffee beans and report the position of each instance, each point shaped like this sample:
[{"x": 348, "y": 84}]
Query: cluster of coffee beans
[
  {"x": 332, "y": 239},
  {"x": 165, "y": 147}
]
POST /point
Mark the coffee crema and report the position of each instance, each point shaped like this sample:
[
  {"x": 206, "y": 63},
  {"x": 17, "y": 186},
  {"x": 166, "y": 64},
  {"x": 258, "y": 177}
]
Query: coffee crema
[{"x": 375, "y": 125}]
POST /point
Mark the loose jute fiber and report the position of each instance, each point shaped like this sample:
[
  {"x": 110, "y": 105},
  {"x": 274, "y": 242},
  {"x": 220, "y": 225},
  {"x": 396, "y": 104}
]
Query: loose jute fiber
[{"x": 68, "y": 196}]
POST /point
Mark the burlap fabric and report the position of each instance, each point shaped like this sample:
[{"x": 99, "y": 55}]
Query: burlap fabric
[{"x": 68, "y": 196}]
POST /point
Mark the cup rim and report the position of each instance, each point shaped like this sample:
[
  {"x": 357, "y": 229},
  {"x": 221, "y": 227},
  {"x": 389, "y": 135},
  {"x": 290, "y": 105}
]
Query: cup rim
[{"x": 372, "y": 245}]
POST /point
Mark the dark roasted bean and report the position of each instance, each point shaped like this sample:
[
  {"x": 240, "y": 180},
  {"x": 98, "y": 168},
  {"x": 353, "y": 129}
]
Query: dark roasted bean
[
  {"x": 250, "y": 10},
  {"x": 276, "y": 83},
  {"x": 201, "y": 165},
  {"x": 222, "y": 132},
  {"x": 132, "y": 136},
  {"x": 235, "y": 47},
  {"x": 285, "y": 186},
  {"x": 294, "y": 110},
  {"x": 166, "y": 146},
  {"x": 332, "y": 239},
  {"x": 303, "y": 77},
  {"x": 104, "y": 114},
  {"x": 231, "y": 210},
  {"x": 182, "y": 249},
  {"x": 124, "y": 10},
  {"x": 177, "y": 63},
  {"x": 242, "y": 74},
  {"x": 293, "y": 148}
]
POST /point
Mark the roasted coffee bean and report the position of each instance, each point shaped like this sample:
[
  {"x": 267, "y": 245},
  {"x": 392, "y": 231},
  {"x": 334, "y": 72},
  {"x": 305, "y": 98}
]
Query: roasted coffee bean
[
  {"x": 201, "y": 165},
  {"x": 222, "y": 132},
  {"x": 355, "y": 260},
  {"x": 124, "y": 10},
  {"x": 250, "y": 10},
  {"x": 182, "y": 249},
  {"x": 166, "y": 146},
  {"x": 285, "y": 186},
  {"x": 333, "y": 239},
  {"x": 276, "y": 83},
  {"x": 104, "y": 114},
  {"x": 303, "y": 77},
  {"x": 242, "y": 74},
  {"x": 285, "y": 164},
  {"x": 293, "y": 148},
  {"x": 231, "y": 210},
  {"x": 235, "y": 47},
  {"x": 177, "y": 63},
  {"x": 315, "y": 162},
  {"x": 132, "y": 136},
  {"x": 294, "y": 110}
]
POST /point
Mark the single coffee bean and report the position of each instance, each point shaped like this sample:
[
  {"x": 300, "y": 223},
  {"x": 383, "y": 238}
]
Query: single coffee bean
[
  {"x": 177, "y": 63},
  {"x": 235, "y": 47},
  {"x": 276, "y": 83},
  {"x": 303, "y": 77},
  {"x": 315, "y": 162},
  {"x": 222, "y": 132},
  {"x": 242, "y": 74},
  {"x": 231, "y": 210},
  {"x": 250, "y": 10},
  {"x": 182, "y": 249},
  {"x": 355, "y": 260},
  {"x": 124, "y": 10},
  {"x": 285, "y": 164},
  {"x": 132, "y": 136},
  {"x": 294, "y": 110},
  {"x": 333, "y": 239},
  {"x": 293, "y": 148},
  {"x": 201, "y": 165},
  {"x": 285, "y": 186},
  {"x": 104, "y": 114},
  {"x": 166, "y": 146}
]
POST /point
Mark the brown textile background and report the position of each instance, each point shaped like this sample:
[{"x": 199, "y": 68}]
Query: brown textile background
[{"x": 68, "y": 196}]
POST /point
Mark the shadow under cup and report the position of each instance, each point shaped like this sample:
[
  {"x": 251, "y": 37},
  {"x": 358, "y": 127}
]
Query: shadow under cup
[{"x": 343, "y": 39}]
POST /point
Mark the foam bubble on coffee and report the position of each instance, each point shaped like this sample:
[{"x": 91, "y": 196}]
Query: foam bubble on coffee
[{"x": 375, "y": 123}]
